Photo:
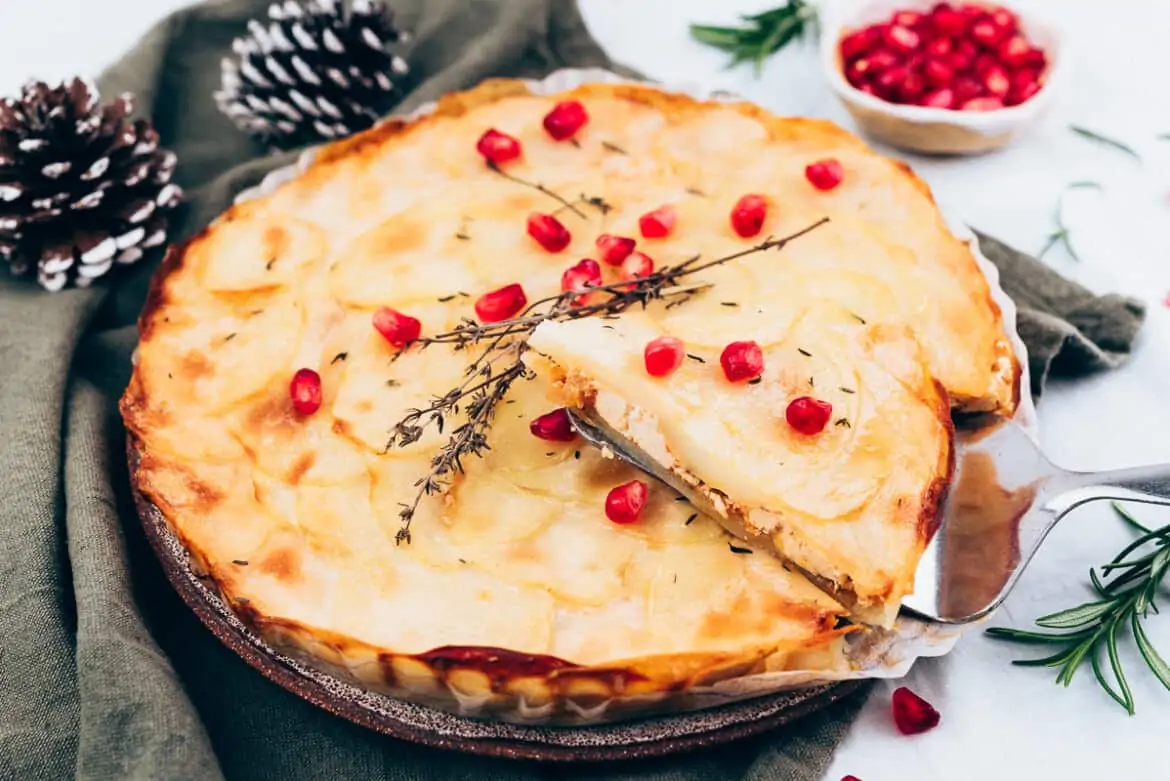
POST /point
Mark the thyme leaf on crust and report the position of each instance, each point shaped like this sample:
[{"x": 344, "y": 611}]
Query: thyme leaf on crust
[{"x": 499, "y": 362}]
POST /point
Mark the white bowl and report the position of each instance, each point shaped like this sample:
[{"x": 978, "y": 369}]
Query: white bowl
[{"x": 934, "y": 130}]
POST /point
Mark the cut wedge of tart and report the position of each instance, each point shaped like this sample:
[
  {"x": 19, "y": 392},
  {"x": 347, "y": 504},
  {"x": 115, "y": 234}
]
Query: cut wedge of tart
[{"x": 835, "y": 456}]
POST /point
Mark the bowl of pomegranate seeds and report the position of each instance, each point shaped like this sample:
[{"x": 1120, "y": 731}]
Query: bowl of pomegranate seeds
[{"x": 941, "y": 78}]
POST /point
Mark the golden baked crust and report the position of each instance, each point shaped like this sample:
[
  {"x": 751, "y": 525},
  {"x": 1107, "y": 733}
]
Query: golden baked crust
[
  {"x": 854, "y": 505},
  {"x": 293, "y": 519}
]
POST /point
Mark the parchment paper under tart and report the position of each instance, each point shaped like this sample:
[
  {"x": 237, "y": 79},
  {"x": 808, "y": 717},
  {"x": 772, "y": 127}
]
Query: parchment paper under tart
[{"x": 438, "y": 712}]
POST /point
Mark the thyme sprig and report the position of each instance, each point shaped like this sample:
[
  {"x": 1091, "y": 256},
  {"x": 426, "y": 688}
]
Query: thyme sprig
[
  {"x": 1125, "y": 590},
  {"x": 761, "y": 35},
  {"x": 499, "y": 362}
]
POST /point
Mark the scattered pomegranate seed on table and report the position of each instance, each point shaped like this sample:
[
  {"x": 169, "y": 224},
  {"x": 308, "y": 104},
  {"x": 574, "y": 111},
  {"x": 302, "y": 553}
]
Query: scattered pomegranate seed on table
[
  {"x": 565, "y": 119},
  {"x": 807, "y": 415},
  {"x": 500, "y": 304},
  {"x": 553, "y": 426},
  {"x": 614, "y": 249},
  {"x": 305, "y": 391},
  {"x": 825, "y": 174},
  {"x": 850, "y": 778},
  {"x": 658, "y": 223},
  {"x": 663, "y": 356},
  {"x": 748, "y": 214},
  {"x": 742, "y": 361},
  {"x": 970, "y": 58},
  {"x": 548, "y": 231},
  {"x": 912, "y": 714},
  {"x": 636, "y": 266},
  {"x": 397, "y": 328},
  {"x": 497, "y": 147},
  {"x": 624, "y": 503}
]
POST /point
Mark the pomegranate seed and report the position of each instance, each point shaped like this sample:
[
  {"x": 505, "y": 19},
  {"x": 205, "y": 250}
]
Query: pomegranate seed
[
  {"x": 967, "y": 49},
  {"x": 902, "y": 39},
  {"x": 861, "y": 42},
  {"x": 1036, "y": 59},
  {"x": 986, "y": 33},
  {"x": 940, "y": 98},
  {"x": 624, "y": 503},
  {"x": 947, "y": 21},
  {"x": 548, "y": 232},
  {"x": 565, "y": 119},
  {"x": 912, "y": 714},
  {"x": 907, "y": 18},
  {"x": 960, "y": 62},
  {"x": 553, "y": 426},
  {"x": 497, "y": 147},
  {"x": 912, "y": 87},
  {"x": 984, "y": 63},
  {"x": 1014, "y": 51},
  {"x": 982, "y": 104},
  {"x": 850, "y": 778},
  {"x": 742, "y": 361},
  {"x": 973, "y": 13},
  {"x": 747, "y": 217},
  {"x": 500, "y": 304},
  {"x": 1005, "y": 20},
  {"x": 614, "y": 249},
  {"x": 940, "y": 47},
  {"x": 890, "y": 81},
  {"x": 1020, "y": 94},
  {"x": 867, "y": 67},
  {"x": 305, "y": 391},
  {"x": 938, "y": 73},
  {"x": 663, "y": 356},
  {"x": 996, "y": 81},
  {"x": 636, "y": 266},
  {"x": 965, "y": 89},
  {"x": 658, "y": 223},
  {"x": 808, "y": 415},
  {"x": 397, "y": 328},
  {"x": 869, "y": 89},
  {"x": 586, "y": 273},
  {"x": 825, "y": 174}
]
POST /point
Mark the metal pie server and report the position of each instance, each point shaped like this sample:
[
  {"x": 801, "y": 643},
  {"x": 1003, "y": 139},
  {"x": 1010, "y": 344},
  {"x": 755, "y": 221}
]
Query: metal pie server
[{"x": 1004, "y": 499}]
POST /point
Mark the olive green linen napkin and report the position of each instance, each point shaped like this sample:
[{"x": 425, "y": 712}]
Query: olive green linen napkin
[{"x": 104, "y": 673}]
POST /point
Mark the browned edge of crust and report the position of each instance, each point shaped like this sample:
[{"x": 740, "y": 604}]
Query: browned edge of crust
[{"x": 510, "y": 682}]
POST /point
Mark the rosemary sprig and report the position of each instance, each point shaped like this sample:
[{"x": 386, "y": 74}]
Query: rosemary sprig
[
  {"x": 761, "y": 34},
  {"x": 1125, "y": 590},
  {"x": 1061, "y": 233},
  {"x": 500, "y": 361},
  {"x": 1092, "y": 135}
]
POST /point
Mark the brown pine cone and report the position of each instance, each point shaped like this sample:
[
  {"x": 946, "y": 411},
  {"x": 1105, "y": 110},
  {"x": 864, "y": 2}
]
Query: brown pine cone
[{"x": 82, "y": 187}]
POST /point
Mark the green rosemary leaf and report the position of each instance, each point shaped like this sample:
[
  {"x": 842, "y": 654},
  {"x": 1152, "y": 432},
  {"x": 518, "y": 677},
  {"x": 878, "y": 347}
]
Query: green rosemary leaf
[
  {"x": 1077, "y": 656},
  {"x": 1157, "y": 664},
  {"x": 1150, "y": 536},
  {"x": 1024, "y": 636},
  {"x": 1126, "y": 516},
  {"x": 1115, "y": 662},
  {"x": 725, "y": 38},
  {"x": 1154, "y": 579},
  {"x": 1100, "y": 587},
  {"x": 1106, "y": 140},
  {"x": 1056, "y": 660},
  {"x": 1076, "y": 616},
  {"x": 1104, "y": 683}
]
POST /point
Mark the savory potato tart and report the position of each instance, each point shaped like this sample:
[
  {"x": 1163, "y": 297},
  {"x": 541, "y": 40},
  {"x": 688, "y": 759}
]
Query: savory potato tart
[{"x": 279, "y": 349}]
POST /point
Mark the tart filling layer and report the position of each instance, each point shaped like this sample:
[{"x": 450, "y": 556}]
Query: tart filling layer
[{"x": 853, "y": 503}]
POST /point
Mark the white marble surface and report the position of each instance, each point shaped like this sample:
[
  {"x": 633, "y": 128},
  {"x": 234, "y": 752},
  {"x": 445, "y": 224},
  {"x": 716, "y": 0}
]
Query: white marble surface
[{"x": 998, "y": 721}]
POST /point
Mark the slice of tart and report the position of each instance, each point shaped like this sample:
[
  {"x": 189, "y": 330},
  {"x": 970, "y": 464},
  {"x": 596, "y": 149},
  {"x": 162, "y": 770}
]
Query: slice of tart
[{"x": 831, "y": 446}]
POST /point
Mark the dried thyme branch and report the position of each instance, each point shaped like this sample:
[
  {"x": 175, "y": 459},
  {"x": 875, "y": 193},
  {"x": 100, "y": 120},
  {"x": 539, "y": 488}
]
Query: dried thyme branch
[
  {"x": 565, "y": 202},
  {"x": 500, "y": 361}
]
